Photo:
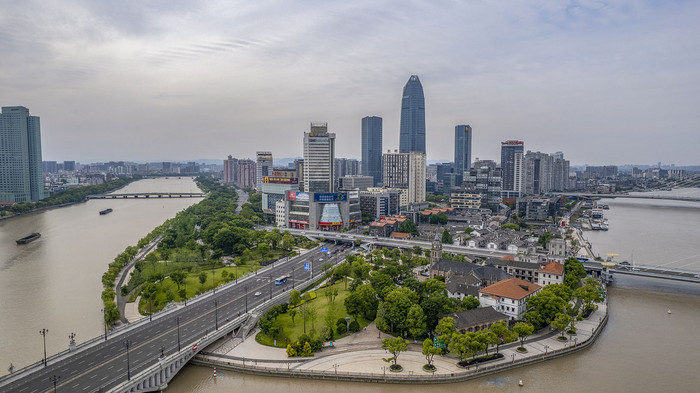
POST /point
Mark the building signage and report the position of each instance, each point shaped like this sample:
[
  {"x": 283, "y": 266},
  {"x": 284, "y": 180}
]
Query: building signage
[
  {"x": 298, "y": 196},
  {"x": 331, "y": 223},
  {"x": 298, "y": 221},
  {"x": 280, "y": 180},
  {"x": 330, "y": 197},
  {"x": 354, "y": 194}
]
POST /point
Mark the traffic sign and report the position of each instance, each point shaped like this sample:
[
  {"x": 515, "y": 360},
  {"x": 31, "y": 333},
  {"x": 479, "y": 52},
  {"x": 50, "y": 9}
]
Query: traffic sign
[
  {"x": 324, "y": 249},
  {"x": 307, "y": 266}
]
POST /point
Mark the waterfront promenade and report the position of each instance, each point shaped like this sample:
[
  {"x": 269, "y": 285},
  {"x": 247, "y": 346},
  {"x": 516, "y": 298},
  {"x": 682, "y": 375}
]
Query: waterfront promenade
[{"x": 359, "y": 357}]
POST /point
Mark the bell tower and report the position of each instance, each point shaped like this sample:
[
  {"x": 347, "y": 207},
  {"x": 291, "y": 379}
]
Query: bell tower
[{"x": 435, "y": 253}]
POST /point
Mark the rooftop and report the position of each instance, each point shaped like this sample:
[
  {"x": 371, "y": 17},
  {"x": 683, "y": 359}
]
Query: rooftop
[{"x": 512, "y": 288}]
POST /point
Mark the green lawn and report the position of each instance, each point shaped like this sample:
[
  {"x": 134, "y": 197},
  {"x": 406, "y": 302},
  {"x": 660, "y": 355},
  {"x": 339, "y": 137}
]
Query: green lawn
[
  {"x": 193, "y": 286},
  {"x": 322, "y": 304}
]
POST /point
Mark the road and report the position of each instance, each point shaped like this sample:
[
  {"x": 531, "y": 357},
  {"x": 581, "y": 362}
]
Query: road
[
  {"x": 105, "y": 365},
  {"x": 242, "y": 199}
]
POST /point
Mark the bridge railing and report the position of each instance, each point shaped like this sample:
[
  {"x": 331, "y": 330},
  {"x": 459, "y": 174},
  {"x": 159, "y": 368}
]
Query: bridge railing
[{"x": 123, "y": 329}]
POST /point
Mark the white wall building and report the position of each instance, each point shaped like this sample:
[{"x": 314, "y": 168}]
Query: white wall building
[
  {"x": 509, "y": 297},
  {"x": 319, "y": 159}
]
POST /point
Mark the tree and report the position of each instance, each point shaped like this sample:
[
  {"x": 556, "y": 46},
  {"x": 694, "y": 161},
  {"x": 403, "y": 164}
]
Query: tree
[
  {"x": 363, "y": 301},
  {"x": 287, "y": 242},
  {"x": 469, "y": 303},
  {"x": 445, "y": 329},
  {"x": 294, "y": 297},
  {"x": 408, "y": 227},
  {"x": 510, "y": 225},
  {"x": 329, "y": 319},
  {"x": 573, "y": 273},
  {"x": 503, "y": 334},
  {"x": 264, "y": 249},
  {"x": 488, "y": 338},
  {"x": 429, "y": 351},
  {"x": 561, "y": 322},
  {"x": 523, "y": 330},
  {"x": 292, "y": 314},
  {"x": 544, "y": 306},
  {"x": 202, "y": 279},
  {"x": 178, "y": 278},
  {"x": 461, "y": 345},
  {"x": 415, "y": 321},
  {"x": 446, "y": 237},
  {"x": 148, "y": 292},
  {"x": 397, "y": 304},
  {"x": 380, "y": 320},
  {"x": 305, "y": 312},
  {"x": 588, "y": 294},
  {"x": 395, "y": 346}
]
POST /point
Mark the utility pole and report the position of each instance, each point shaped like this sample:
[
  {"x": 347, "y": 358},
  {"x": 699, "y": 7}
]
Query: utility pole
[
  {"x": 128, "y": 366},
  {"x": 43, "y": 333}
]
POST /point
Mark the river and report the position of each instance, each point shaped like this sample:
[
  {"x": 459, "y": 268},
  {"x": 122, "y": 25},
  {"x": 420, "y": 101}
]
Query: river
[
  {"x": 642, "y": 349},
  {"x": 54, "y": 282}
]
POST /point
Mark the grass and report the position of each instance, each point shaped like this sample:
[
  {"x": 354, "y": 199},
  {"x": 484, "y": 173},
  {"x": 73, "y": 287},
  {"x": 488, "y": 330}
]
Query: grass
[
  {"x": 322, "y": 304},
  {"x": 193, "y": 286}
]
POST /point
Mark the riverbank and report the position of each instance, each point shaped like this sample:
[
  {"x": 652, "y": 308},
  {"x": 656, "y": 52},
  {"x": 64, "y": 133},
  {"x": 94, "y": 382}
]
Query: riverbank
[{"x": 359, "y": 357}]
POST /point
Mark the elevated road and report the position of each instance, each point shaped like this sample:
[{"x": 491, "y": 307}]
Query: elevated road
[
  {"x": 635, "y": 196},
  {"x": 101, "y": 365}
]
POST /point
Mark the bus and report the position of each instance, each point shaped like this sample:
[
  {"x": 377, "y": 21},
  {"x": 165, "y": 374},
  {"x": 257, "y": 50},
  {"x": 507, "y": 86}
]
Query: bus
[{"x": 281, "y": 280}]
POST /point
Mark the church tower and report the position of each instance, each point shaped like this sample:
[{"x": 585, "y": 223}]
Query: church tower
[{"x": 435, "y": 253}]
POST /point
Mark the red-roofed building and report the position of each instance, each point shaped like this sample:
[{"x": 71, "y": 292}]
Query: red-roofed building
[
  {"x": 551, "y": 273},
  {"x": 509, "y": 296}
]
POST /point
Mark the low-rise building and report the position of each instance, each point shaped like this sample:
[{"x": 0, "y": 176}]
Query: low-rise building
[
  {"x": 477, "y": 319},
  {"x": 509, "y": 297},
  {"x": 322, "y": 211},
  {"x": 551, "y": 273}
]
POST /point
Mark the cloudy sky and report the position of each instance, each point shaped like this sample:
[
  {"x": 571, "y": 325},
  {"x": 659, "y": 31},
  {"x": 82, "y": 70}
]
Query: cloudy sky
[{"x": 605, "y": 82}]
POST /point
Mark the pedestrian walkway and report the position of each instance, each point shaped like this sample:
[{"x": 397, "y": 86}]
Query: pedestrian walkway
[
  {"x": 361, "y": 354},
  {"x": 131, "y": 311}
]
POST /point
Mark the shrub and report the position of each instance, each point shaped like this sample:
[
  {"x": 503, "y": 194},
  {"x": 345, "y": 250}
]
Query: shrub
[
  {"x": 354, "y": 326},
  {"x": 341, "y": 328}
]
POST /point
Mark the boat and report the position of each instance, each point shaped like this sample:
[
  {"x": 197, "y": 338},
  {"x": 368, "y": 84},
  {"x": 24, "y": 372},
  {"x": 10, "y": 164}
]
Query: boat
[
  {"x": 597, "y": 213},
  {"x": 29, "y": 238},
  {"x": 105, "y": 211}
]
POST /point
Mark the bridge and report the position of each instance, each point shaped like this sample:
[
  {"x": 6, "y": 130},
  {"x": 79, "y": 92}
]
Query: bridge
[
  {"x": 149, "y": 195},
  {"x": 635, "y": 196},
  {"x": 596, "y": 268},
  {"x": 144, "y": 356}
]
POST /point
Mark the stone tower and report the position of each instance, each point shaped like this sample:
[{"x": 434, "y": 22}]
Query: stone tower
[{"x": 435, "y": 253}]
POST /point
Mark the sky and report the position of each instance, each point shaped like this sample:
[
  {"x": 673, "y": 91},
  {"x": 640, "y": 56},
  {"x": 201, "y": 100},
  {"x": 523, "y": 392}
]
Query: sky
[{"x": 606, "y": 82}]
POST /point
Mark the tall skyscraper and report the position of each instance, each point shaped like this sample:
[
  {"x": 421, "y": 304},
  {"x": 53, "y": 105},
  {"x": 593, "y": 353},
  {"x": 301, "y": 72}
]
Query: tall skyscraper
[
  {"x": 538, "y": 173},
  {"x": 412, "y": 133},
  {"x": 21, "y": 177},
  {"x": 230, "y": 170},
  {"x": 319, "y": 159},
  {"x": 246, "y": 174},
  {"x": 512, "y": 165},
  {"x": 463, "y": 149},
  {"x": 372, "y": 148},
  {"x": 406, "y": 171},
  {"x": 263, "y": 167}
]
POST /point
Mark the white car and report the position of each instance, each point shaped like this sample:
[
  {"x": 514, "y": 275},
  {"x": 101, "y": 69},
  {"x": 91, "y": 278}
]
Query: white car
[{"x": 258, "y": 293}]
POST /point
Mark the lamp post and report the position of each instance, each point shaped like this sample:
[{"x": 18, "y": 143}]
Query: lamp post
[
  {"x": 546, "y": 348},
  {"x": 43, "y": 333},
  {"x": 269, "y": 285},
  {"x": 246, "y": 299},
  {"x": 128, "y": 366},
  {"x": 54, "y": 379},
  {"x": 216, "y": 314},
  {"x": 292, "y": 278},
  {"x": 185, "y": 291},
  {"x": 335, "y": 366},
  {"x": 213, "y": 284},
  {"x": 104, "y": 319},
  {"x": 178, "y": 333}
]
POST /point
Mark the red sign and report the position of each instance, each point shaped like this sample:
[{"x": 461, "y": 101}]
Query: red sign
[{"x": 292, "y": 195}]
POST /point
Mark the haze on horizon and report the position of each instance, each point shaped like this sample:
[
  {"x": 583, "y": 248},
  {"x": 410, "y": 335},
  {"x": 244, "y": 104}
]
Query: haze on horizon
[{"x": 605, "y": 82}]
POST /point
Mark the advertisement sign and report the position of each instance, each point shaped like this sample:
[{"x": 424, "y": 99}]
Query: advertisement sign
[
  {"x": 331, "y": 223},
  {"x": 298, "y": 221},
  {"x": 354, "y": 194},
  {"x": 297, "y": 196},
  {"x": 280, "y": 180},
  {"x": 330, "y": 197}
]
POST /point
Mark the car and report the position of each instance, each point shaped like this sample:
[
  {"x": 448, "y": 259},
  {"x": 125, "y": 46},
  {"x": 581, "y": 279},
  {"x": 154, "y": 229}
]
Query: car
[{"x": 258, "y": 293}]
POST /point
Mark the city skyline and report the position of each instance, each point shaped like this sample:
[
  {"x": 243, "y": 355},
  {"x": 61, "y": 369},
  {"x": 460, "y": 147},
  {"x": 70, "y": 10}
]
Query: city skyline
[{"x": 606, "y": 83}]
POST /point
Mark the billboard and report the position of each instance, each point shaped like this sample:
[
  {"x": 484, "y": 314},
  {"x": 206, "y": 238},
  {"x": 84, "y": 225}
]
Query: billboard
[
  {"x": 297, "y": 196},
  {"x": 280, "y": 180},
  {"x": 353, "y": 194},
  {"x": 330, "y": 197}
]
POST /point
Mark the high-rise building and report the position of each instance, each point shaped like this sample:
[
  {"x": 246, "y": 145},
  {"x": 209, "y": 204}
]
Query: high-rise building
[
  {"x": 560, "y": 172},
  {"x": 230, "y": 170},
  {"x": 263, "y": 167},
  {"x": 412, "y": 132},
  {"x": 299, "y": 168},
  {"x": 463, "y": 148},
  {"x": 372, "y": 148},
  {"x": 21, "y": 176},
  {"x": 69, "y": 166},
  {"x": 246, "y": 175},
  {"x": 345, "y": 167},
  {"x": 49, "y": 166},
  {"x": 512, "y": 166},
  {"x": 406, "y": 171},
  {"x": 319, "y": 159},
  {"x": 485, "y": 179},
  {"x": 538, "y": 173}
]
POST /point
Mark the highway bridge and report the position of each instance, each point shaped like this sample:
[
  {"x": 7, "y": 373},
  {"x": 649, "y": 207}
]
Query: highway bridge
[
  {"x": 144, "y": 356},
  {"x": 591, "y": 267},
  {"x": 634, "y": 196},
  {"x": 149, "y": 195}
]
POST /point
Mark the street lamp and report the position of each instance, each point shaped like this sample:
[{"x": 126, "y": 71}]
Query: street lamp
[
  {"x": 213, "y": 284},
  {"x": 546, "y": 348},
  {"x": 43, "y": 333},
  {"x": 246, "y": 299},
  {"x": 216, "y": 314},
  {"x": 292, "y": 278},
  {"x": 336, "y": 368},
  {"x": 178, "y": 333},
  {"x": 269, "y": 285},
  {"x": 128, "y": 366},
  {"x": 104, "y": 319},
  {"x": 54, "y": 379}
]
